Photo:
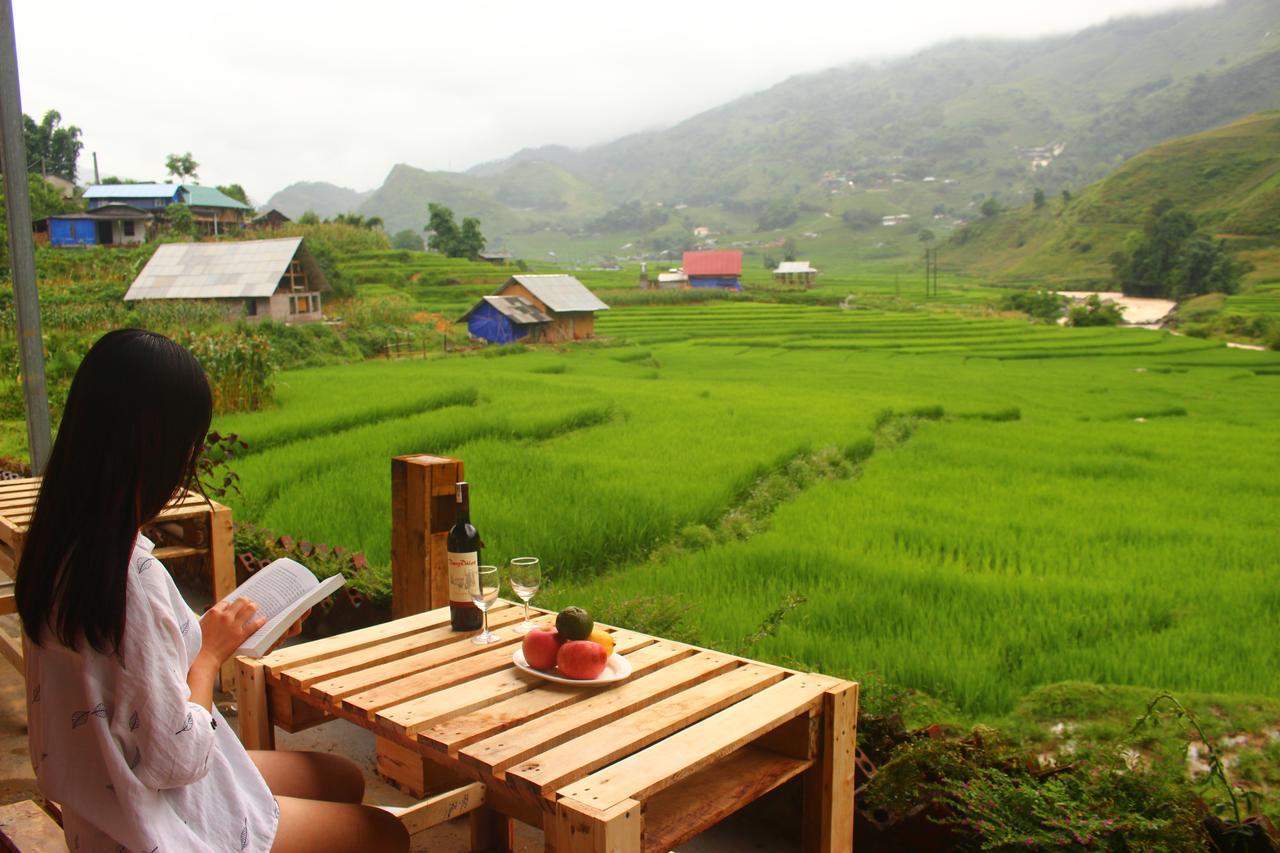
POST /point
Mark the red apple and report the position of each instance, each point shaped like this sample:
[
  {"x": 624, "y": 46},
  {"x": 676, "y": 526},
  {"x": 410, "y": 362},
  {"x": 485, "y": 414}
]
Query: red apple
[
  {"x": 541, "y": 645},
  {"x": 582, "y": 659}
]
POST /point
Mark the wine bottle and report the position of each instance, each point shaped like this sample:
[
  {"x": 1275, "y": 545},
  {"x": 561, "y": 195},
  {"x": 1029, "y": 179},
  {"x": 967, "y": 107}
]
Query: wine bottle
[{"x": 464, "y": 565}]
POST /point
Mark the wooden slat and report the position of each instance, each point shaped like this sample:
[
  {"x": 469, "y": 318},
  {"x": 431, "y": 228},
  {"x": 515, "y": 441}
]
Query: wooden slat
[
  {"x": 457, "y": 663},
  {"x": 441, "y": 808},
  {"x": 496, "y": 754},
  {"x": 551, "y": 769},
  {"x": 644, "y": 773},
  {"x": 11, "y": 650},
  {"x": 8, "y": 604},
  {"x": 352, "y": 640},
  {"x": 457, "y": 732},
  {"x": 673, "y": 816},
  {"x": 408, "y": 718},
  {"x": 26, "y": 827},
  {"x": 174, "y": 552},
  {"x": 393, "y": 659}
]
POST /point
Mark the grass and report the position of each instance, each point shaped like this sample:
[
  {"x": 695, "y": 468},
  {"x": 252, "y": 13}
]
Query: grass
[{"x": 1091, "y": 505}]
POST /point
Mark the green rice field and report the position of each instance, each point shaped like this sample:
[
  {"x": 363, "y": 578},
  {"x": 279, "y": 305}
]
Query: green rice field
[{"x": 1011, "y": 505}]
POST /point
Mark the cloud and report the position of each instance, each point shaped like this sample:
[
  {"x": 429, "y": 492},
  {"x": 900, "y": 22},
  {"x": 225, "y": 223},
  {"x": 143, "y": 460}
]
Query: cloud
[{"x": 266, "y": 94}]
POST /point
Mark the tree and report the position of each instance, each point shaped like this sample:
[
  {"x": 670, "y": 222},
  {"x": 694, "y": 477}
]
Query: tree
[
  {"x": 309, "y": 217},
  {"x": 51, "y": 150},
  {"x": 1170, "y": 257},
  {"x": 789, "y": 249},
  {"x": 860, "y": 220},
  {"x": 235, "y": 191},
  {"x": 182, "y": 166},
  {"x": 179, "y": 221},
  {"x": 408, "y": 239},
  {"x": 1037, "y": 198},
  {"x": 470, "y": 241},
  {"x": 927, "y": 236},
  {"x": 1094, "y": 312},
  {"x": 990, "y": 208},
  {"x": 447, "y": 238},
  {"x": 1066, "y": 196}
]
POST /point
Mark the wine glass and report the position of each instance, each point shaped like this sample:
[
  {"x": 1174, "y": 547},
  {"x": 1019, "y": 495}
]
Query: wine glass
[
  {"x": 525, "y": 576},
  {"x": 484, "y": 594}
]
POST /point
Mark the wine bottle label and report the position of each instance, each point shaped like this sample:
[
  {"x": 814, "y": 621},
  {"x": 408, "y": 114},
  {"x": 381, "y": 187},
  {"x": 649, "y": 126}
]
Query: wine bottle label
[{"x": 464, "y": 569}]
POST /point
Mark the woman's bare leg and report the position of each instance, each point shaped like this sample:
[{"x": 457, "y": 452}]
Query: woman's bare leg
[
  {"x": 310, "y": 775},
  {"x": 313, "y": 826}
]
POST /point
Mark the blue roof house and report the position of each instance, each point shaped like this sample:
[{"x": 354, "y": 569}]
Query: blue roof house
[{"x": 142, "y": 196}]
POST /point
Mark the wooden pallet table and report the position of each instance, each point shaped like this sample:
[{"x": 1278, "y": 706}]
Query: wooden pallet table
[
  {"x": 640, "y": 765},
  {"x": 195, "y": 525}
]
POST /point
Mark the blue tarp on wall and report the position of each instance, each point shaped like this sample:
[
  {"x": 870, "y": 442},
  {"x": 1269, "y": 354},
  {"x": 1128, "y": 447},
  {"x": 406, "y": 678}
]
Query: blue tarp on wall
[
  {"x": 488, "y": 323},
  {"x": 728, "y": 282},
  {"x": 72, "y": 232}
]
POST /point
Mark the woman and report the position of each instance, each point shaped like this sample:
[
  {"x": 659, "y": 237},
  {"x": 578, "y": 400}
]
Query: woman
[{"x": 122, "y": 728}]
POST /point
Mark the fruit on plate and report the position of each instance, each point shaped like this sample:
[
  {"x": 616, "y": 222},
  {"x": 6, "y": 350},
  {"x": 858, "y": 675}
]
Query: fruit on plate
[
  {"x": 581, "y": 659},
  {"x": 574, "y": 623},
  {"x": 541, "y": 645},
  {"x": 604, "y": 638}
]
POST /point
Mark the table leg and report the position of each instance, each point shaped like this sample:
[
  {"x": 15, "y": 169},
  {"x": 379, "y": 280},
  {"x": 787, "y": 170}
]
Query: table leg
[
  {"x": 256, "y": 728},
  {"x": 580, "y": 828},
  {"x": 492, "y": 832},
  {"x": 223, "y": 569},
  {"x": 828, "y": 786}
]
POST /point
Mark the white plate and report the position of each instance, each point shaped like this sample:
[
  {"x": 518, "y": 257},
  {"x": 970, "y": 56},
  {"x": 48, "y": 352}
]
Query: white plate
[{"x": 616, "y": 668}]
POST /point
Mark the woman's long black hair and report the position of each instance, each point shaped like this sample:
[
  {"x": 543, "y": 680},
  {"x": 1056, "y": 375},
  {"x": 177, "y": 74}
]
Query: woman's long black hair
[{"x": 136, "y": 417}]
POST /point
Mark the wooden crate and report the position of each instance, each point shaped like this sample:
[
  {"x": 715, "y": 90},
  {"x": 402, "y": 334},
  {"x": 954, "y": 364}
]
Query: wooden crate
[
  {"x": 191, "y": 524},
  {"x": 642, "y": 765}
]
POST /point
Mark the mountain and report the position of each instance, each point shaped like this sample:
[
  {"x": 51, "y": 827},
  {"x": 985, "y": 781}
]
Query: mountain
[
  {"x": 931, "y": 134},
  {"x": 324, "y": 199},
  {"x": 1229, "y": 178}
]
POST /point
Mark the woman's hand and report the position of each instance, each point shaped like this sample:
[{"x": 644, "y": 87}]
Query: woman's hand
[{"x": 225, "y": 626}]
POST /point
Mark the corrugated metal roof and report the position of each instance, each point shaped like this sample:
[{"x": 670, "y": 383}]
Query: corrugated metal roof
[
  {"x": 132, "y": 191},
  {"x": 559, "y": 292},
  {"x": 222, "y": 270},
  {"x": 721, "y": 262},
  {"x": 517, "y": 309},
  {"x": 211, "y": 197},
  {"x": 108, "y": 212},
  {"x": 794, "y": 266}
]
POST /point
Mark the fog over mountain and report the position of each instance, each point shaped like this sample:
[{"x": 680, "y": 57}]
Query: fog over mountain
[{"x": 979, "y": 116}]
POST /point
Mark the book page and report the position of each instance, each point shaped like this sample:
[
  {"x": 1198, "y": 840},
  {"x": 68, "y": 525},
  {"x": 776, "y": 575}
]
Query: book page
[
  {"x": 283, "y": 591},
  {"x": 275, "y": 587}
]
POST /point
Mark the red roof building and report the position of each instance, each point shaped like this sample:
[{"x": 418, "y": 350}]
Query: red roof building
[{"x": 719, "y": 263}]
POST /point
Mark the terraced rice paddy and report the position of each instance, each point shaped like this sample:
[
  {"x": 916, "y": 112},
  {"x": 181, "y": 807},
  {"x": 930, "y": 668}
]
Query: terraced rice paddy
[{"x": 1092, "y": 504}]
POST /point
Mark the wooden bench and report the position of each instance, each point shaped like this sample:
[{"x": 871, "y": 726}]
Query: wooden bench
[
  {"x": 190, "y": 525},
  {"x": 27, "y": 828}
]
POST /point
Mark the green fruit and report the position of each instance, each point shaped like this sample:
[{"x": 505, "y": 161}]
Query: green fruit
[{"x": 574, "y": 623}]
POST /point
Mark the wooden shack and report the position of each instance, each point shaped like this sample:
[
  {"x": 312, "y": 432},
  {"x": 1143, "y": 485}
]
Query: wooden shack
[
  {"x": 550, "y": 308},
  {"x": 255, "y": 279},
  {"x": 795, "y": 274}
]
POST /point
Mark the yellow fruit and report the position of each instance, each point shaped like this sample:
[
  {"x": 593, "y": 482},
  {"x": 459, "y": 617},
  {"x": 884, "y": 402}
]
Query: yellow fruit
[{"x": 604, "y": 638}]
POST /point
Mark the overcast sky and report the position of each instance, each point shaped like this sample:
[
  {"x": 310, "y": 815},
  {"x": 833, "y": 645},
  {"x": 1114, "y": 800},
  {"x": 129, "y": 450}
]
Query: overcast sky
[{"x": 268, "y": 93}]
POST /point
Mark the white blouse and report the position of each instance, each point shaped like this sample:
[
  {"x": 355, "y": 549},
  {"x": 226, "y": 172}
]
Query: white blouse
[{"x": 117, "y": 741}]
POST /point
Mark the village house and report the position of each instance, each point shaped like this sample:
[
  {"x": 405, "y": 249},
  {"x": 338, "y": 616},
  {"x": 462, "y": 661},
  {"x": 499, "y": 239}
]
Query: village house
[
  {"x": 214, "y": 211},
  {"x": 495, "y": 258},
  {"x": 792, "y": 273},
  {"x": 548, "y": 308},
  {"x": 270, "y": 221},
  {"x": 106, "y": 225},
  {"x": 722, "y": 268},
  {"x": 254, "y": 279}
]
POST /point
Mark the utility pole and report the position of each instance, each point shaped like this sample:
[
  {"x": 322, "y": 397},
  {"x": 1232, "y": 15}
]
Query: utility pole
[
  {"x": 22, "y": 258},
  {"x": 96, "y": 180}
]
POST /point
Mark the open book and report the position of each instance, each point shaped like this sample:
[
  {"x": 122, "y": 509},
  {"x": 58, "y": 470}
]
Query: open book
[{"x": 283, "y": 591}]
